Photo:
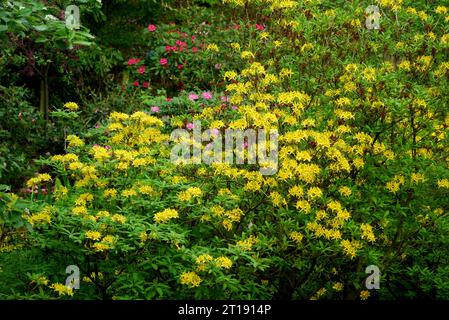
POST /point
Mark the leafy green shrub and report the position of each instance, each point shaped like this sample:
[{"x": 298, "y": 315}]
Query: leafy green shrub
[{"x": 24, "y": 136}]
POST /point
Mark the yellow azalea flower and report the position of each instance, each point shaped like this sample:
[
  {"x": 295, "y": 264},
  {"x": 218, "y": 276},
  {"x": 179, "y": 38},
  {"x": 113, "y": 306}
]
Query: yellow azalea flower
[
  {"x": 223, "y": 262},
  {"x": 100, "y": 246},
  {"x": 443, "y": 183},
  {"x": 129, "y": 193},
  {"x": 79, "y": 210},
  {"x": 204, "y": 259},
  {"x": 345, "y": 191},
  {"x": 296, "y": 236},
  {"x": 367, "y": 232},
  {"x": 44, "y": 177},
  {"x": 93, "y": 235},
  {"x": 338, "y": 286},
  {"x": 166, "y": 215},
  {"x": 190, "y": 278},
  {"x": 119, "y": 218},
  {"x": 364, "y": 295},
  {"x": 314, "y": 192},
  {"x": 212, "y": 47},
  {"x": 248, "y": 243},
  {"x": 72, "y": 106},
  {"x": 74, "y": 141},
  {"x": 110, "y": 193},
  {"x": 192, "y": 192},
  {"x": 61, "y": 289},
  {"x": 147, "y": 190},
  {"x": 42, "y": 217}
]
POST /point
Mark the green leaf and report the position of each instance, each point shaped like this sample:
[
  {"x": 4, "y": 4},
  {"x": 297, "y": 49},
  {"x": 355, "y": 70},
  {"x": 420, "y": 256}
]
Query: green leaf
[
  {"x": 85, "y": 34},
  {"x": 42, "y": 27},
  {"x": 41, "y": 39},
  {"x": 82, "y": 43},
  {"x": 4, "y": 188}
]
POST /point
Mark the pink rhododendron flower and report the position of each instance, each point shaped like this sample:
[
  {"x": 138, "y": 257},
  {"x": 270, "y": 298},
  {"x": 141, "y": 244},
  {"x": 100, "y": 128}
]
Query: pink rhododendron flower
[
  {"x": 136, "y": 83},
  {"x": 194, "y": 49},
  {"x": 133, "y": 61},
  {"x": 141, "y": 70},
  {"x": 151, "y": 27},
  {"x": 180, "y": 66},
  {"x": 145, "y": 84},
  {"x": 193, "y": 97},
  {"x": 34, "y": 190},
  {"x": 207, "y": 95},
  {"x": 190, "y": 126},
  {"x": 235, "y": 107},
  {"x": 163, "y": 61},
  {"x": 260, "y": 27},
  {"x": 155, "y": 109}
]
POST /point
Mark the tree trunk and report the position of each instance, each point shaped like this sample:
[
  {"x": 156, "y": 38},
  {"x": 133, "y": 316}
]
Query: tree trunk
[{"x": 44, "y": 100}]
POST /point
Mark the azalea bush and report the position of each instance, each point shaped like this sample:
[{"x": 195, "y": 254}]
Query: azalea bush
[
  {"x": 184, "y": 57},
  {"x": 361, "y": 179}
]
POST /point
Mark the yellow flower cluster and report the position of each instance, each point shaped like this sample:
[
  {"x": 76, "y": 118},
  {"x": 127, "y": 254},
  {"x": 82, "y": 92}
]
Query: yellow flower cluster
[
  {"x": 443, "y": 183},
  {"x": 223, "y": 262},
  {"x": 187, "y": 195},
  {"x": 364, "y": 294},
  {"x": 93, "y": 235},
  {"x": 394, "y": 185},
  {"x": 166, "y": 215},
  {"x": 367, "y": 232},
  {"x": 72, "y": 106},
  {"x": 212, "y": 47},
  {"x": 248, "y": 243},
  {"x": 61, "y": 289},
  {"x": 296, "y": 236},
  {"x": 191, "y": 279},
  {"x": 74, "y": 141},
  {"x": 44, "y": 177},
  {"x": 42, "y": 217},
  {"x": 350, "y": 248},
  {"x": 204, "y": 259},
  {"x": 338, "y": 286},
  {"x": 119, "y": 218}
]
